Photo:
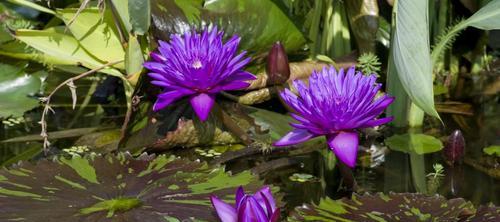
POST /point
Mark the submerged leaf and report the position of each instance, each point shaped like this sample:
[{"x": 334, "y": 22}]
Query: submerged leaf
[
  {"x": 115, "y": 188},
  {"x": 381, "y": 207}
]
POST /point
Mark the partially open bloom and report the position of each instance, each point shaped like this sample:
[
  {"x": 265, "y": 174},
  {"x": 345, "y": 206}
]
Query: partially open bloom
[
  {"x": 259, "y": 207},
  {"x": 197, "y": 65},
  {"x": 334, "y": 105}
]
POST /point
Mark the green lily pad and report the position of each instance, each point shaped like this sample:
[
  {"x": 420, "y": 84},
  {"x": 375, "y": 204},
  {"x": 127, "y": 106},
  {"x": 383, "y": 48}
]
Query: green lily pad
[
  {"x": 492, "y": 150},
  {"x": 381, "y": 207},
  {"x": 414, "y": 143},
  {"x": 15, "y": 88},
  {"x": 115, "y": 188}
]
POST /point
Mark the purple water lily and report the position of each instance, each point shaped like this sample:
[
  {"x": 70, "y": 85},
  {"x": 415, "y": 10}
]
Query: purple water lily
[
  {"x": 335, "y": 105},
  {"x": 197, "y": 65},
  {"x": 259, "y": 207}
]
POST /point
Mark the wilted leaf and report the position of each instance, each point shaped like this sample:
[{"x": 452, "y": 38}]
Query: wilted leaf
[
  {"x": 381, "y": 207},
  {"x": 116, "y": 188},
  {"x": 411, "y": 52},
  {"x": 15, "y": 88},
  {"x": 414, "y": 143}
]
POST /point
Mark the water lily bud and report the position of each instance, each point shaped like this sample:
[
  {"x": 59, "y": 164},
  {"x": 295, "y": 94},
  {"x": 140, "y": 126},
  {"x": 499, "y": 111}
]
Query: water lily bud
[
  {"x": 455, "y": 148},
  {"x": 277, "y": 67}
]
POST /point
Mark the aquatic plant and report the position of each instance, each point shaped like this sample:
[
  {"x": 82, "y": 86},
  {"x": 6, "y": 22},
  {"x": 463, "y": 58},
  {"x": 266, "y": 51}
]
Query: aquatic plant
[
  {"x": 198, "y": 66},
  {"x": 394, "y": 207},
  {"x": 277, "y": 67},
  {"x": 335, "y": 105},
  {"x": 259, "y": 207},
  {"x": 115, "y": 188},
  {"x": 455, "y": 148}
]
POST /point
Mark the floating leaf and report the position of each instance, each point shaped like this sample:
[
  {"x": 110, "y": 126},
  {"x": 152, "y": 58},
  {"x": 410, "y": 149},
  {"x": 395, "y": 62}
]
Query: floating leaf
[
  {"x": 116, "y": 188},
  {"x": 15, "y": 88},
  {"x": 381, "y": 207},
  {"x": 414, "y": 143},
  {"x": 411, "y": 52},
  {"x": 492, "y": 150}
]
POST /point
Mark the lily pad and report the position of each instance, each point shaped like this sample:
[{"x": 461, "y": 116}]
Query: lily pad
[
  {"x": 414, "y": 143},
  {"x": 15, "y": 88},
  {"x": 115, "y": 188},
  {"x": 492, "y": 150},
  {"x": 381, "y": 207}
]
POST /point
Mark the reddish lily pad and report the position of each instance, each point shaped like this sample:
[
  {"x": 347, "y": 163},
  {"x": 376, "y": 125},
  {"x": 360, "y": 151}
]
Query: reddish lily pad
[
  {"x": 392, "y": 207},
  {"x": 115, "y": 188}
]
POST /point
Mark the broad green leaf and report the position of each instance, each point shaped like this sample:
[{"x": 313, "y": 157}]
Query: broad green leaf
[
  {"x": 95, "y": 33},
  {"x": 140, "y": 15},
  {"x": 414, "y": 143},
  {"x": 20, "y": 50},
  {"x": 15, "y": 88},
  {"x": 116, "y": 188},
  {"x": 487, "y": 18},
  {"x": 385, "y": 207},
  {"x": 54, "y": 42},
  {"x": 411, "y": 52},
  {"x": 258, "y": 28}
]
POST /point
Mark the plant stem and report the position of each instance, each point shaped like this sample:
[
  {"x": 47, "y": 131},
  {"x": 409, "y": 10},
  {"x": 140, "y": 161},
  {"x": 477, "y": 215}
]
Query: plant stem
[{"x": 415, "y": 116}]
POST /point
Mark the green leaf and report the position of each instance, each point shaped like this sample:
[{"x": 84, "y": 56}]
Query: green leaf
[
  {"x": 411, "y": 52},
  {"x": 20, "y": 50},
  {"x": 32, "y": 5},
  {"x": 381, "y": 207},
  {"x": 122, "y": 9},
  {"x": 140, "y": 15},
  {"x": 95, "y": 31},
  {"x": 414, "y": 143},
  {"x": 487, "y": 18},
  {"x": 492, "y": 150},
  {"x": 133, "y": 57},
  {"x": 258, "y": 28},
  {"x": 15, "y": 88},
  {"x": 53, "y": 135},
  {"x": 24, "y": 155},
  {"x": 116, "y": 188},
  {"x": 55, "y": 42}
]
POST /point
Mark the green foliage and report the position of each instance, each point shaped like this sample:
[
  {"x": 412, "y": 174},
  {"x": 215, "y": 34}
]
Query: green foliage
[
  {"x": 258, "y": 29},
  {"x": 411, "y": 53},
  {"x": 140, "y": 15},
  {"x": 369, "y": 63},
  {"x": 414, "y": 143},
  {"x": 487, "y": 18},
  {"x": 391, "y": 207},
  {"x": 492, "y": 150},
  {"x": 116, "y": 188},
  {"x": 16, "y": 87}
]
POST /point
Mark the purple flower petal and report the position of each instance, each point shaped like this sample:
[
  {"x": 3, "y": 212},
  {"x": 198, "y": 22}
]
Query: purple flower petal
[
  {"x": 166, "y": 98},
  {"x": 265, "y": 198},
  {"x": 345, "y": 146},
  {"x": 225, "y": 211},
  {"x": 240, "y": 193},
  {"x": 202, "y": 104},
  {"x": 294, "y": 137},
  {"x": 377, "y": 122},
  {"x": 251, "y": 211},
  {"x": 236, "y": 85}
]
